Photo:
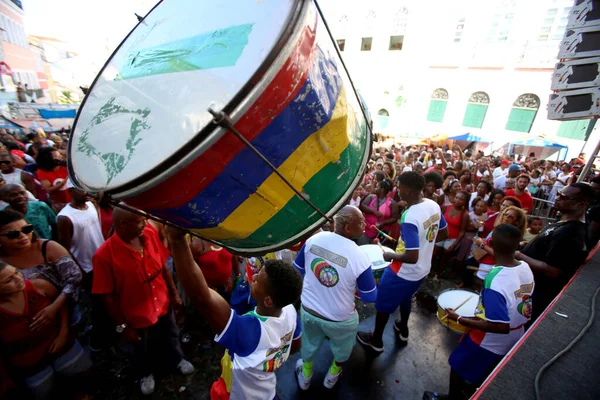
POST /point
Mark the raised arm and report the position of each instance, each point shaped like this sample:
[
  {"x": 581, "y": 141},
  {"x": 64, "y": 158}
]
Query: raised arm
[{"x": 209, "y": 303}]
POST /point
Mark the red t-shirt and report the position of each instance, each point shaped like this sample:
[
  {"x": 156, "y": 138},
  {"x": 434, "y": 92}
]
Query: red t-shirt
[
  {"x": 526, "y": 199},
  {"x": 216, "y": 267},
  {"x": 106, "y": 221},
  {"x": 55, "y": 177},
  {"x": 141, "y": 290}
]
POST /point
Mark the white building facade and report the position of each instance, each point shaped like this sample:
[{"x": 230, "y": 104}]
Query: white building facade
[{"x": 440, "y": 67}]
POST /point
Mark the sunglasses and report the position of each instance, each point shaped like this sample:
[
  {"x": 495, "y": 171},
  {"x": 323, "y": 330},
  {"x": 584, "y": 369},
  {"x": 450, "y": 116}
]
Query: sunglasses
[
  {"x": 564, "y": 196},
  {"x": 5, "y": 162},
  {"x": 26, "y": 230}
]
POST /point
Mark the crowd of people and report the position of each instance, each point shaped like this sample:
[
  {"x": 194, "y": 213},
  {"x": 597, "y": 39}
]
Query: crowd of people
[{"x": 78, "y": 275}]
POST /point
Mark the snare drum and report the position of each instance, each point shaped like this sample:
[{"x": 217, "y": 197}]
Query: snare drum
[
  {"x": 375, "y": 255},
  {"x": 144, "y": 134},
  {"x": 451, "y": 298}
]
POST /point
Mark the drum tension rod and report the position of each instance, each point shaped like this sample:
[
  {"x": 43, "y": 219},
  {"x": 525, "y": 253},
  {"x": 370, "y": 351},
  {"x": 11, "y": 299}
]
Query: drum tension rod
[{"x": 223, "y": 120}]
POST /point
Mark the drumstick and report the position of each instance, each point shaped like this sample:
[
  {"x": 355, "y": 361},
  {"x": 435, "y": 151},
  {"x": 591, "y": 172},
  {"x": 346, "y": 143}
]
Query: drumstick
[
  {"x": 457, "y": 307},
  {"x": 376, "y": 241},
  {"x": 383, "y": 233}
]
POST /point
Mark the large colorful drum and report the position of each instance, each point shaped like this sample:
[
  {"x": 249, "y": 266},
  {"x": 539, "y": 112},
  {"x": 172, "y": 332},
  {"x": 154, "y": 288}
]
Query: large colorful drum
[
  {"x": 144, "y": 133},
  {"x": 452, "y": 298},
  {"x": 375, "y": 255}
]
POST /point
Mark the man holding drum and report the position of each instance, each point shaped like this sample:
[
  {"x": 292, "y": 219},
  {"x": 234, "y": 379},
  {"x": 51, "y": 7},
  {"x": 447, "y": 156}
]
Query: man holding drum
[
  {"x": 422, "y": 225},
  {"x": 334, "y": 267}
]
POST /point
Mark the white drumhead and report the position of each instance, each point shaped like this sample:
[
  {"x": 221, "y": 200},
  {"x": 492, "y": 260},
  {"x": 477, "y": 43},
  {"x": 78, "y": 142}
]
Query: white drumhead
[
  {"x": 375, "y": 255},
  {"x": 453, "y": 297},
  {"x": 152, "y": 97}
]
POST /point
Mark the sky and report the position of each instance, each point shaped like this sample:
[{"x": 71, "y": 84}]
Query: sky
[{"x": 88, "y": 25}]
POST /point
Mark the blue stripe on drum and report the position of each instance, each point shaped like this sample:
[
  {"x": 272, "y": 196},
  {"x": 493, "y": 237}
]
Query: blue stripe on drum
[{"x": 307, "y": 113}]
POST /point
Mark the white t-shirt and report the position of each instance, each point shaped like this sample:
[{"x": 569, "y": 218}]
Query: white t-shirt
[
  {"x": 420, "y": 226},
  {"x": 473, "y": 195},
  {"x": 498, "y": 172},
  {"x": 500, "y": 182},
  {"x": 87, "y": 233},
  {"x": 485, "y": 173},
  {"x": 506, "y": 297},
  {"x": 332, "y": 265},
  {"x": 258, "y": 346}
]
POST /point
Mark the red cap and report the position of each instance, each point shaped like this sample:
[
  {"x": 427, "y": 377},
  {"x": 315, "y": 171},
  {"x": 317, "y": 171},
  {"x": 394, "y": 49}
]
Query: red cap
[{"x": 505, "y": 162}]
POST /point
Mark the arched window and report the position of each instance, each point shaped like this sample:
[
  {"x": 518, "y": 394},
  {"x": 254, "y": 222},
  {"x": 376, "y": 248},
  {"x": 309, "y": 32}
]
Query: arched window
[
  {"x": 476, "y": 110},
  {"x": 382, "y": 119},
  {"x": 437, "y": 105},
  {"x": 523, "y": 113}
]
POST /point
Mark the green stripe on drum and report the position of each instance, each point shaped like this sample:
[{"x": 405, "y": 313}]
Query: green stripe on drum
[{"x": 297, "y": 215}]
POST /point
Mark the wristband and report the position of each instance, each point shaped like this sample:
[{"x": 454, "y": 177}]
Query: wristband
[{"x": 458, "y": 319}]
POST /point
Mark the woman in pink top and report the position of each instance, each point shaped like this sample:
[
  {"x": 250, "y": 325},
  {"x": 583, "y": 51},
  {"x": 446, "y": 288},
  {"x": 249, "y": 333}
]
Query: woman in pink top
[{"x": 379, "y": 210}]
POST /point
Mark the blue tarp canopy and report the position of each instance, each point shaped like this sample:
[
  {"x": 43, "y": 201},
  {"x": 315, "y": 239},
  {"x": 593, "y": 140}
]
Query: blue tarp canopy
[
  {"x": 539, "y": 142},
  {"x": 469, "y": 137},
  {"x": 49, "y": 114}
]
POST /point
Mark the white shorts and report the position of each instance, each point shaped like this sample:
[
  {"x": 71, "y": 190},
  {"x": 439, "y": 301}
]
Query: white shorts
[{"x": 446, "y": 243}]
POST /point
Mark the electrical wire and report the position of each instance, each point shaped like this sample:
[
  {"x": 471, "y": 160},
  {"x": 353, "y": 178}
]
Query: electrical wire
[{"x": 569, "y": 346}]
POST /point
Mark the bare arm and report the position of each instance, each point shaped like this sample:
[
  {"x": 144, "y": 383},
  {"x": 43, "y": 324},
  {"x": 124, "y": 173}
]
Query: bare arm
[
  {"x": 166, "y": 273},
  {"x": 482, "y": 325},
  {"x": 209, "y": 303},
  {"x": 539, "y": 266},
  {"x": 48, "y": 187},
  {"x": 409, "y": 256},
  {"x": 65, "y": 231},
  {"x": 27, "y": 180},
  {"x": 364, "y": 206}
]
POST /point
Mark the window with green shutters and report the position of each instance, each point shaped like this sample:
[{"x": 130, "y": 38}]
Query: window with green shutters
[
  {"x": 523, "y": 113},
  {"x": 573, "y": 129},
  {"x": 476, "y": 110},
  {"x": 437, "y": 105}
]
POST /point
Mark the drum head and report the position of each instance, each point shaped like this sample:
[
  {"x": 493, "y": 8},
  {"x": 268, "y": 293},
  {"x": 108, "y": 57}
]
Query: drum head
[
  {"x": 375, "y": 255},
  {"x": 152, "y": 96},
  {"x": 451, "y": 298}
]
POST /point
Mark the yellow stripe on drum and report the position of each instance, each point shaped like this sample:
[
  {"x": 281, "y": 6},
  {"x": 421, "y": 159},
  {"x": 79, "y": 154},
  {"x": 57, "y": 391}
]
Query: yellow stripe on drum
[{"x": 319, "y": 149}]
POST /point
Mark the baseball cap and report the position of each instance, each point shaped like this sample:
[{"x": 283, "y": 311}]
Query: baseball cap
[
  {"x": 514, "y": 167},
  {"x": 505, "y": 162}
]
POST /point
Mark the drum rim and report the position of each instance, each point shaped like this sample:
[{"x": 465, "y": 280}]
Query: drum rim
[
  {"x": 437, "y": 299},
  {"x": 208, "y": 134}
]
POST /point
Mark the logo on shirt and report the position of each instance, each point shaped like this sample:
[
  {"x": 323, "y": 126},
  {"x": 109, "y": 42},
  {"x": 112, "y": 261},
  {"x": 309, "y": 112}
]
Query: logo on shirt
[
  {"x": 329, "y": 255},
  {"x": 325, "y": 273},
  {"x": 432, "y": 233},
  {"x": 277, "y": 356},
  {"x": 525, "y": 306}
]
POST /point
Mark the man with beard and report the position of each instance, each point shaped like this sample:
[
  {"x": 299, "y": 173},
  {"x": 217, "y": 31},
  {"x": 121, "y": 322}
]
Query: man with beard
[{"x": 520, "y": 193}]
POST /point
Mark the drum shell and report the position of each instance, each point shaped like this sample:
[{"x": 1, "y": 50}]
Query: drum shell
[
  {"x": 453, "y": 325},
  {"x": 304, "y": 118}
]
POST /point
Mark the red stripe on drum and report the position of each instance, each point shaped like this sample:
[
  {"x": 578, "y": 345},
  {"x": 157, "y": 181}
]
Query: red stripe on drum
[{"x": 195, "y": 177}]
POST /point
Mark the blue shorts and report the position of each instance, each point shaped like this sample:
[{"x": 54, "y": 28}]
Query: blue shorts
[
  {"x": 472, "y": 362},
  {"x": 394, "y": 291}
]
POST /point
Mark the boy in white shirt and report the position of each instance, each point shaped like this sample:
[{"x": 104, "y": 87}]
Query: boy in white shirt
[
  {"x": 260, "y": 341},
  {"x": 505, "y": 306}
]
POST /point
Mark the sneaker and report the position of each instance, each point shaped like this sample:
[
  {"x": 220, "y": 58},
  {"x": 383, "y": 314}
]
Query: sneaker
[
  {"x": 331, "y": 380},
  {"x": 185, "y": 367},
  {"x": 147, "y": 385},
  {"x": 434, "y": 396},
  {"x": 303, "y": 381},
  {"x": 365, "y": 338},
  {"x": 402, "y": 332}
]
